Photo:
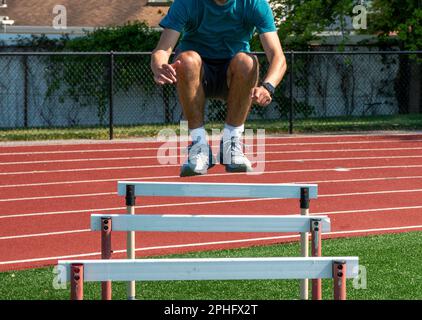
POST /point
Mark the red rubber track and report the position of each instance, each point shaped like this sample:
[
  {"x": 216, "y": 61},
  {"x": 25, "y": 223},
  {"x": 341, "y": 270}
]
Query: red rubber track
[{"x": 367, "y": 185}]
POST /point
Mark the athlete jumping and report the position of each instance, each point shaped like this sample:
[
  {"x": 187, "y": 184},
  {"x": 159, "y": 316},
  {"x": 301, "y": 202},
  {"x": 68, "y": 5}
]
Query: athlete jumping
[{"x": 213, "y": 60}]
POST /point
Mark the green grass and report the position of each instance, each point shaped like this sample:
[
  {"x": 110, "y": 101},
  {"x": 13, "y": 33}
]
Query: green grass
[
  {"x": 340, "y": 124},
  {"x": 393, "y": 263}
]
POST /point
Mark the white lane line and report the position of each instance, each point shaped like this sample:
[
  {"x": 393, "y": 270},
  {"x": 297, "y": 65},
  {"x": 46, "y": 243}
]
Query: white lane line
[
  {"x": 368, "y": 193},
  {"x": 152, "y": 178},
  {"x": 40, "y": 184},
  {"x": 44, "y": 234},
  {"x": 61, "y": 196},
  {"x": 340, "y": 169},
  {"x": 187, "y": 245},
  {"x": 299, "y": 182},
  {"x": 216, "y": 142},
  {"x": 368, "y": 210},
  {"x": 114, "y": 194},
  {"x": 177, "y": 165},
  {"x": 313, "y": 213},
  {"x": 360, "y": 180},
  {"x": 177, "y": 156},
  {"x": 164, "y": 205},
  {"x": 148, "y": 140},
  {"x": 209, "y": 175}
]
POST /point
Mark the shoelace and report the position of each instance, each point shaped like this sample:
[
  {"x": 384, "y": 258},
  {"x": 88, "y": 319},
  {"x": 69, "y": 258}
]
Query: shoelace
[
  {"x": 234, "y": 146},
  {"x": 237, "y": 147},
  {"x": 195, "y": 153}
]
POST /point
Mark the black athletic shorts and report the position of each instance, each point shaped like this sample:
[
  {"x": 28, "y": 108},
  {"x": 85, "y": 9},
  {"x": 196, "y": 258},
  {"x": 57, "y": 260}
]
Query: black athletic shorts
[{"x": 214, "y": 79}]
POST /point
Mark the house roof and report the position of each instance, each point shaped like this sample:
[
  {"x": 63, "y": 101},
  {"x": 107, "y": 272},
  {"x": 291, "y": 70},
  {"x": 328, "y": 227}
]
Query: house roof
[{"x": 83, "y": 13}]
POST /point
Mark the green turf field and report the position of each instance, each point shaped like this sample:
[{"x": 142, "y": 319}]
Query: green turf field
[
  {"x": 334, "y": 125},
  {"x": 393, "y": 263}
]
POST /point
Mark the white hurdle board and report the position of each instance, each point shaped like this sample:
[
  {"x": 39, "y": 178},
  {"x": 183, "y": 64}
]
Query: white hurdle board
[
  {"x": 210, "y": 223},
  {"x": 218, "y": 190},
  {"x": 208, "y": 269}
]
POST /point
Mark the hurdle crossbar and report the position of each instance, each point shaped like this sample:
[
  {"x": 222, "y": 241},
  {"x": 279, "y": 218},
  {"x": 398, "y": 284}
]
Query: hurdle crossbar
[
  {"x": 79, "y": 271},
  {"x": 209, "y": 269},
  {"x": 210, "y": 223},
  {"x": 218, "y": 190}
]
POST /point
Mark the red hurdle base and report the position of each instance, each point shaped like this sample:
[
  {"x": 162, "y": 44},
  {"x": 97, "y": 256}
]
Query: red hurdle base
[
  {"x": 339, "y": 275},
  {"x": 77, "y": 281},
  {"x": 106, "y": 227},
  {"x": 316, "y": 252}
]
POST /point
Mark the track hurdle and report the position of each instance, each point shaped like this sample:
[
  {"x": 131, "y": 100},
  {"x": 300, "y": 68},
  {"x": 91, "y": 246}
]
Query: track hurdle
[
  {"x": 208, "y": 223},
  {"x": 304, "y": 192},
  {"x": 337, "y": 268}
]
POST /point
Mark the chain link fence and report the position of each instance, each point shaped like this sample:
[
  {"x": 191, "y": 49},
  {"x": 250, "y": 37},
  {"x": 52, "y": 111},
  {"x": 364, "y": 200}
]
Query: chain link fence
[{"x": 108, "y": 90}]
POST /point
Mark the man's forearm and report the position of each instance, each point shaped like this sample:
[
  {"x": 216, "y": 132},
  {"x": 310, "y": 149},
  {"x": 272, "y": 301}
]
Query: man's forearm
[{"x": 276, "y": 70}]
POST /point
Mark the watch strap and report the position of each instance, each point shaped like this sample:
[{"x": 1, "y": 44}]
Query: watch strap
[{"x": 270, "y": 88}]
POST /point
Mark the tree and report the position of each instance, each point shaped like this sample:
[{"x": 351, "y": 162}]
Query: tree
[
  {"x": 300, "y": 22},
  {"x": 402, "y": 17}
]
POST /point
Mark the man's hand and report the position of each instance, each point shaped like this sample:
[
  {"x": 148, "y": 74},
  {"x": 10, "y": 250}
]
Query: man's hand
[
  {"x": 261, "y": 96},
  {"x": 166, "y": 74}
]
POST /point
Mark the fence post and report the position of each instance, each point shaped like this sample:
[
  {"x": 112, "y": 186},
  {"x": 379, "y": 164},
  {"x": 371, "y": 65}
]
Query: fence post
[
  {"x": 111, "y": 94},
  {"x": 292, "y": 79},
  {"x": 25, "y": 91}
]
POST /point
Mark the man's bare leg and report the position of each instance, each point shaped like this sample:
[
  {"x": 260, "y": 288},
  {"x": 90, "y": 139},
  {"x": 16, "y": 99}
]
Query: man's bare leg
[
  {"x": 192, "y": 97},
  {"x": 242, "y": 76},
  {"x": 189, "y": 88}
]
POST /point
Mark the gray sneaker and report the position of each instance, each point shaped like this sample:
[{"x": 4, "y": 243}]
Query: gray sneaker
[
  {"x": 232, "y": 156},
  {"x": 200, "y": 159}
]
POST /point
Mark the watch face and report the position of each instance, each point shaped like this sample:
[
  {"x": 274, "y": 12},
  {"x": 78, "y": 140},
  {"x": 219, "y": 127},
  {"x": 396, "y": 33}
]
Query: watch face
[{"x": 269, "y": 87}]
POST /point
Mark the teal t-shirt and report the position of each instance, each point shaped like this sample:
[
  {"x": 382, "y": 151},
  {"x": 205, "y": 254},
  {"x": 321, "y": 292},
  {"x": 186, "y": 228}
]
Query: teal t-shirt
[{"x": 218, "y": 31}]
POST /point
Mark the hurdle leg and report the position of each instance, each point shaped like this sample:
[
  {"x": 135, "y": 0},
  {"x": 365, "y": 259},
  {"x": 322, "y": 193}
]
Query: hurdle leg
[
  {"x": 304, "y": 240},
  {"x": 130, "y": 250},
  {"x": 77, "y": 281},
  {"x": 339, "y": 275},
  {"x": 316, "y": 252},
  {"x": 106, "y": 227}
]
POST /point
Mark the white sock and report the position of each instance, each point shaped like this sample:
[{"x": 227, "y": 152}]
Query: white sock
[
  {"x": 231, "y": 131},
  {"x": 199, "y": 134}
]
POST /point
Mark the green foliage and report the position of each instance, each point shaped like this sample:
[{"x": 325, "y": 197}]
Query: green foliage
[
  {"x": 43, "y": 43},
  {"x": 85, "y": 79},
  {"x": 403, "y": 17},
  {"x": 301, "y": 21},
  {"x": 134, "y": 36}
]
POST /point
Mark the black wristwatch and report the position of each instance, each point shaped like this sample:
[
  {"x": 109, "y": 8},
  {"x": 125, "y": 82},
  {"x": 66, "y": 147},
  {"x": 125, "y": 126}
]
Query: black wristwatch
[{"x": 270, "y": 88}]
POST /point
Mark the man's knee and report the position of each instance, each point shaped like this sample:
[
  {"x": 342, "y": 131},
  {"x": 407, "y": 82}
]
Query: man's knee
[
  {"x": 244, "y": 64},
  {"x": 190, "y": 63}
]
